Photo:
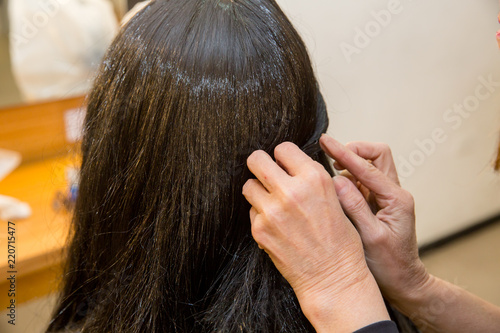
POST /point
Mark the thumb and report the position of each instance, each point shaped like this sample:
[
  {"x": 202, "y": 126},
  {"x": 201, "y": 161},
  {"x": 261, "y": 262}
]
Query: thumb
[{"x": 354, "y": 206}]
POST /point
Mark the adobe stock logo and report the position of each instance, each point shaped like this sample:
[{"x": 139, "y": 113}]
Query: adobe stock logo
[
  {"x": 373, "y": 28},
  {"x": 30, "y": 26},
  {"x": 454, "y": 118}
]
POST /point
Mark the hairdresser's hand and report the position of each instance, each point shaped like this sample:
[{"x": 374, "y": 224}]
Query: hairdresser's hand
[
  {"x": 498, "y": 32},
  {"x": 297, "y": 219},
  {"x": 383, "y": 213}
]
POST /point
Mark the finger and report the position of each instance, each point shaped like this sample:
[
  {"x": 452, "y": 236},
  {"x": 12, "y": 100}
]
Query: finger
[
  {"x": 349, "y": 176},
  {"x": 379, "y": 153},
  {"x": 253, "y": 213},
  {"x": 253, "y": 217},
  {"x": 266, "y": 170},
  {"x": 291, "y": 158},
  {"x": 364, "y": 191},
  {"x": 371, "y": 177},
  {"x": 355, "y": 206},
  {"x": 256, "y": 194},
  {"x": 338, "y": 166}
]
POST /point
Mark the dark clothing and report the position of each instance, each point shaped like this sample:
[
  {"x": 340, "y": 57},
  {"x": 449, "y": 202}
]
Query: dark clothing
[{"x": 386, "y": 326}]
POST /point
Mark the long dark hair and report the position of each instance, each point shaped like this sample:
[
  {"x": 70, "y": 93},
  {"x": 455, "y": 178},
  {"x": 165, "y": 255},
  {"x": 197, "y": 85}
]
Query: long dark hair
[{"x": 161, "y": 237}]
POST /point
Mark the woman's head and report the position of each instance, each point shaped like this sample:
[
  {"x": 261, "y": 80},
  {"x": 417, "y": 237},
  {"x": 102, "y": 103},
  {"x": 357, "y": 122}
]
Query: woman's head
[{"x": 161, "y": 233}]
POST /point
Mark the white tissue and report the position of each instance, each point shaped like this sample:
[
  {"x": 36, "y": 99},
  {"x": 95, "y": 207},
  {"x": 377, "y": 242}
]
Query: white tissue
[
  {"x": 9, "y": 160},
  {"x": 12, "y": 209}
]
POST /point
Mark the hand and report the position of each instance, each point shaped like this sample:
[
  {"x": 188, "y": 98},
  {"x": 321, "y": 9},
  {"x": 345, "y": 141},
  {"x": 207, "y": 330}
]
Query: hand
[
  {"x": 297, "y": 219},
  {"x": 382, "y": 212},
  {"x": 498, "y": 32}
]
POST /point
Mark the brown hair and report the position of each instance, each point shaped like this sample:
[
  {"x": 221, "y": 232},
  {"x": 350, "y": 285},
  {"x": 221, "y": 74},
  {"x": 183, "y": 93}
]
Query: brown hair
[
  {"x": 161, "y": 234},
  {"x": 161, "y": 237}
]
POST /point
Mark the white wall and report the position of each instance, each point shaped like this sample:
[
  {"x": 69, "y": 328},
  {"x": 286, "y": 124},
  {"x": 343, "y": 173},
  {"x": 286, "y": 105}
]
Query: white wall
[{"x": 401, "y": 87}]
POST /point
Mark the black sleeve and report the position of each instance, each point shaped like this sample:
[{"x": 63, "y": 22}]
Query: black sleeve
[{"x": 385, "y": 326}]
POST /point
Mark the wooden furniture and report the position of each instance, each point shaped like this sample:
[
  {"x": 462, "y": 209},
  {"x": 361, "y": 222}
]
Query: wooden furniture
[{"x": 38, "y": 132}]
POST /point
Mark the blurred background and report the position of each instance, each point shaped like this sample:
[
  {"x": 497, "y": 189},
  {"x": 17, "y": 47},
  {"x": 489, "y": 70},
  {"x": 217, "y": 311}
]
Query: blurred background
[{"x": 422, "y": 76}]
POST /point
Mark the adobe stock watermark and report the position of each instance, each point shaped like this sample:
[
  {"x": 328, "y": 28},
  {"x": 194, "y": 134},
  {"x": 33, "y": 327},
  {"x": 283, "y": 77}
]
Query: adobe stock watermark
[
  {"x": 454, "y": 118},
  {"x": 363, "y": 36},
  {"x": 30, "y": 26},
  {"x": 437, "y": 307}
]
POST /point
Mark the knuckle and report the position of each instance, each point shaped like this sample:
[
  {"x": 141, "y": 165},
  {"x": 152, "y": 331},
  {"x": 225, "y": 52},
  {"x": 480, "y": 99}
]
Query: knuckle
[
  {"x": 368, "y": 171},
  {"x": 273, "y": 213},
  {"x": 354, "y": 146},
  {"x": 258, "y": 231},
  {"x": 316, "y": 172},
  {"x": 378, "y": 237},
  {"x": 290, "y": 195},
  {"x": 409, "y": 198},
  {"x": 355, "y": 206},
  {"x": 408, "y": 201},
  {"x": 246, "y": 188},
  {"x": 405, "y": 197},
  {"x": 384, "y": 147},
  {"x": 404, "y": 200}
]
